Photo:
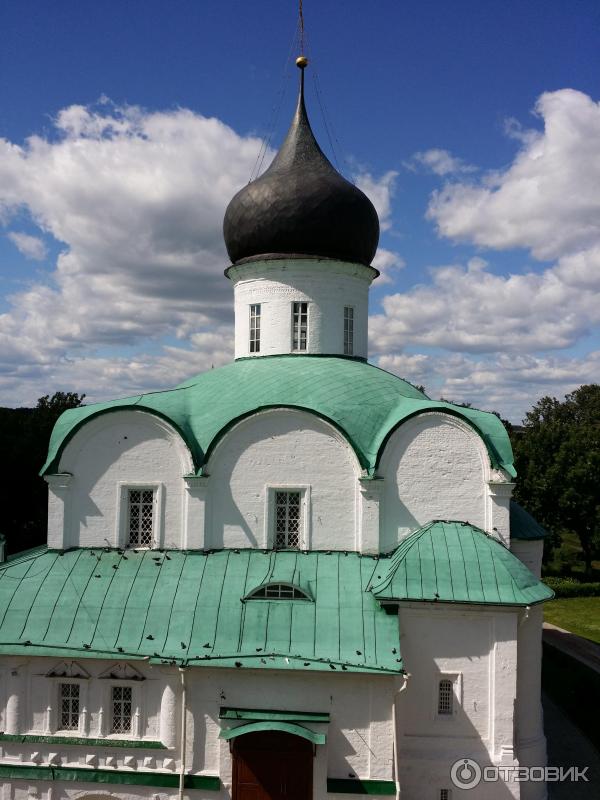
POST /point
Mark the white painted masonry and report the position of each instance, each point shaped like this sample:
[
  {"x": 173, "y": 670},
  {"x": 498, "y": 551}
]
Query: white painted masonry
[
  {"x": 434, "y": 466},
  {"x": 284, "y": 449},
  {"x": 328, "y": 286},
  {"x": 109, "y": 453}
]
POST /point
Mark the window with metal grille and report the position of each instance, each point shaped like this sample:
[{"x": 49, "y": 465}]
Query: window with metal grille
[
  {"x": 278, "y": 591},
  {"x": 445, "y": 794},
  {"x": 288, "y": 513},
  {"x": 121, "y": 709},
  {"x": 255, "y": 328},
  {"x": 300, "y": 326},
  {"x": 348, "y": 331},
  {"x": 69, "y": 707},
  {"x": 141, "y": 513},
  {"x": 445, "y": 696}
]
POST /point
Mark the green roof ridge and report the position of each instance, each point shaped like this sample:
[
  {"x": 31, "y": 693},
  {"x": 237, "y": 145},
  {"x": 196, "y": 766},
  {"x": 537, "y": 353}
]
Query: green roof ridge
[{"x": 363, "y": 401}]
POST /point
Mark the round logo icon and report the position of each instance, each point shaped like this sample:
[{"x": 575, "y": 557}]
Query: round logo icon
[{"x": 465, "y": 773}]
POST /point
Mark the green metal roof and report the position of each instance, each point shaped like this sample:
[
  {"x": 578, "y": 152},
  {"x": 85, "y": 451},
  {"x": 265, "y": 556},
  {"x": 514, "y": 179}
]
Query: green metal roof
[
  {"x": 187, "y": 607},
  {"x": 523, "y": 525},
  {"x": 454, "y": 562},
  {"x": 364, "y": 402}
]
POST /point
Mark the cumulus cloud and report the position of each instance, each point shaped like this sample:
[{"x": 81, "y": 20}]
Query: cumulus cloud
[
  {"x": 136, "y": 198},
  {"x": 31, "y": 247},
  {"x": 380, "y": 192},
  {"x": 440, "y": 162},
  {"x": 505, "y": 383},
  {"x": 387, "y": 262},
  {"x": 548, "y": 200},
  {"x": 547, "y": 203}
]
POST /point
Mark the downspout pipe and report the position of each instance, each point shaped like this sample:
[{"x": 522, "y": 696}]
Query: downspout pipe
[
  {"x": 405, "y": 677},
  {"x": 183, "y": 731}
]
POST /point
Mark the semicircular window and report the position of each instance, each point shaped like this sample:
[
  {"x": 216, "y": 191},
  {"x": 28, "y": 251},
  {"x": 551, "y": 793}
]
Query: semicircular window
[{"x": 278, "y": 591}]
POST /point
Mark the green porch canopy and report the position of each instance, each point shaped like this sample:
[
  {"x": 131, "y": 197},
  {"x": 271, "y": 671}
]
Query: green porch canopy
[
  {"x": 189, "y": 608},
  {"x": 364, "y": 402},
  {"x": 454, "y": 562}
]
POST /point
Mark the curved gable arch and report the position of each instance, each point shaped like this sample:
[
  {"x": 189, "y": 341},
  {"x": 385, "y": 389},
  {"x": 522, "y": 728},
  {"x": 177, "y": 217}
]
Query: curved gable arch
[
  {"x": 435, "y": 466},
  {"x": 94, "y": 426},
  {"x": 282, "y": 449},
  {"x": 336, "y": 430}
]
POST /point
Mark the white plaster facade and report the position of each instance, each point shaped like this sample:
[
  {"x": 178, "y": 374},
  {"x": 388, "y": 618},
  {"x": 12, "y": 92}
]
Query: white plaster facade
[{"x": 327, "y": 286}]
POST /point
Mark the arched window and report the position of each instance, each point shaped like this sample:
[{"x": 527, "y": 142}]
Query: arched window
[{"x": 278, "y": 591}]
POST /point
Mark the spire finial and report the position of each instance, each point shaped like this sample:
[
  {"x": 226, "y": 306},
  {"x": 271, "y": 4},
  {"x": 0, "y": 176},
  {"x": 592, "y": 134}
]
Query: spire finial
[{"x": 302, "y": 60}]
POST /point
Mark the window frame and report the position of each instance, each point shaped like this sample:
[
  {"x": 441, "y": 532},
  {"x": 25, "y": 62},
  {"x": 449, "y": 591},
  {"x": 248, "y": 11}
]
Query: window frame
[
  {"x": 111, "y": 716},
  {"x": 455, "y": 679},
  {"x": 297, "y": 339},
  {"x": 270, "y": 514},
  {"x": 298, "y": 594},
  {"x": 255, "y": 318},
  {"x": 122, "y": 521},
  {"x": 137, "y": 708},
  {"x": 60, "y": 682},
  {"x": 348, "y": 337}
]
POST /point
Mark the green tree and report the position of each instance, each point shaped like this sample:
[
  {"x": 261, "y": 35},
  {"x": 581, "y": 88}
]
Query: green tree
[
  {"x": 557, "y": 457},
  {"x": 24, "y": 437}
]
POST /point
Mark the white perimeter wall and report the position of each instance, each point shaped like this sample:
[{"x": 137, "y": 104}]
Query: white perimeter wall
[{"x": 327, "y": 286}]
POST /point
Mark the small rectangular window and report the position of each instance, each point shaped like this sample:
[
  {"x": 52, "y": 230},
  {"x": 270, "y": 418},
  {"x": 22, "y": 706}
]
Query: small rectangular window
[
  {"x": 348, "y": 330},
  {"x": 140, "y": 517},
  {"x": 299, "y": 326},
  {"x": 255, "y": 328},
  {"x": 288, "y": 516},
  {"x": 445, "y": 696},
  {"x": 69, "y": 707},
  {"x": 445, "y": 794},
  {"x": 121, "y": 702}
]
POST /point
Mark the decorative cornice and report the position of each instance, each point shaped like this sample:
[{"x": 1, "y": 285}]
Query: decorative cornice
[{"x": 58, "y": 481}]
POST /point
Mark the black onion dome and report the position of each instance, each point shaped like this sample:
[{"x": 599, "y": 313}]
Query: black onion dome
[{"x": 301, "y": 205}]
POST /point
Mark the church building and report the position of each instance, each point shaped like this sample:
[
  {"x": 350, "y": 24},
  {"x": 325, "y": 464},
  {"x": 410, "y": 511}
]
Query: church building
[{"x": 295, "y": 577}]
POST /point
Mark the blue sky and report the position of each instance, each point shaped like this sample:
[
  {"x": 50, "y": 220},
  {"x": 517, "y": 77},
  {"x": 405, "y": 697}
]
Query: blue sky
[{"x": 475, "y": 127}]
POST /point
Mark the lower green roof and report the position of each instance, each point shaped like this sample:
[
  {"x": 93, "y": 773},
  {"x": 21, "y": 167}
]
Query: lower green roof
[
  {"x": 364, "y": 402},
  {"x": 188, "y": 608},
  {"x": 523, "y": 525},
  {"x": 455, "y": 562}
]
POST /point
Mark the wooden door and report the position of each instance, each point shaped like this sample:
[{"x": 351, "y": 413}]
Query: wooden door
[{"x": 271, "y": 765}]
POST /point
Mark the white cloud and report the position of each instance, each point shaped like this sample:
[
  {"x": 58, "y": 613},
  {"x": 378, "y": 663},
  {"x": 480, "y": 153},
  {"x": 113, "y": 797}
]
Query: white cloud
[
  {"x": 30, "y": 246},
  {"x": 505, "y": 383},
  {"x": 440, "y": 162},
  {"x": 387, "y": 262},
  {"x": 380, "y": 192},
  {"x": 548, "y": 200},
  {"x": 138, "y": 199}
]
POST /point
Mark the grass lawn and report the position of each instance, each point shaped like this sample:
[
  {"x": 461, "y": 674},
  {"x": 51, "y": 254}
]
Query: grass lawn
[{"x": 580, "y": 615}]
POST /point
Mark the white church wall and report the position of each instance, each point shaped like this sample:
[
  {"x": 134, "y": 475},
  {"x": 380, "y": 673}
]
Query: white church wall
[
  {"x": 108, "y": 454},
  {"x": 359, "y": 734},
  {"x": 283, "y": 449},
  {"x": 477, "y": 651},
  {"x": 434, "y": 466},
  {"x": 328, "y": 286},
  {"x": 529, "y": 723},
  {"x": 530, "y": 553}
]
